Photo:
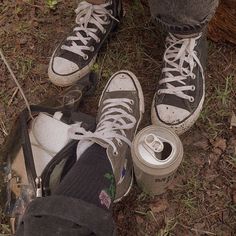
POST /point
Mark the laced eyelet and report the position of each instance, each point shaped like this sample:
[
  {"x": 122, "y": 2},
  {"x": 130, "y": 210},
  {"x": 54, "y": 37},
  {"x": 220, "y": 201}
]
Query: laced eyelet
[
  {"x": 191, "y": 99},
  {"x": 98, "y": 40},
  {"x": 115, "y": 153},
  {"x": 120, "y": 143},
  {"x": 110, "y": 11},
  {"x": 195, "y": 64},
  {"x": 85, "y": 57},
  {"x": 193, "y": 88},
  {"x": 104, "y": 31},
  {"x": 131, "y": 102},
  {"x": 196, "y": 53},
  {"x": 158, "y": 92},
  {"x": 91, "y": 48}
]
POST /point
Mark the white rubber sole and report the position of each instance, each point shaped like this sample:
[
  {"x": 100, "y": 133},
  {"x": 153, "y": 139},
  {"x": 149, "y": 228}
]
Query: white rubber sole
[
  {"x": 67, "y": 80},
  {"x": 142, "y": 108},
  {"x": 128, "y": 190},
  {"x": 186, "y": 124}
]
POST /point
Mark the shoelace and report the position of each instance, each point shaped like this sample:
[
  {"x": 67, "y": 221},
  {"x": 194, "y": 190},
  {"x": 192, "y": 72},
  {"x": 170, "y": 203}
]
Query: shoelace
[
  {"x": 112, "y": 125},
  {"x": 96, "y": 15},
  {"x": 176, "y": 59}
]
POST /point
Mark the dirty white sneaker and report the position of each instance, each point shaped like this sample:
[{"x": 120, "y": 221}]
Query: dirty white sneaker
[
  {"x": 179, "y": 99},
  {"x": 76, "y": 54},
  {"x": 121, "y": 107}
]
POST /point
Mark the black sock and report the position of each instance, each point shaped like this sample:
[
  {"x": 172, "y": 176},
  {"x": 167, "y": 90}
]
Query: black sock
[{"x": 90, "y": 179}]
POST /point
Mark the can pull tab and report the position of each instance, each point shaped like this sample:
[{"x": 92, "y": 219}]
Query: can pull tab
[{"x": 154, "y": 143}]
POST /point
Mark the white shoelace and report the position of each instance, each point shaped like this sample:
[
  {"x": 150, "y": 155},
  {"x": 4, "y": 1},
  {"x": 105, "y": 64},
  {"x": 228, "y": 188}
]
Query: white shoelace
[
  {"x": 113, "y": 122},
  {"x": 176, "y": 59},
  {"x": 93, "y": 14}
]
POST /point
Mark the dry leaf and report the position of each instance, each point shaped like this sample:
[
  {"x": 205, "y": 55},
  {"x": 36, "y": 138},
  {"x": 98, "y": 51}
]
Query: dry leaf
[
  {"x": 159, "y": 206},
  {"x": 220, "y": 143},
  {"x": 139, "y": 219},
  {"x": 202, "y": 144},
  {"x": 199, "y": 225}
]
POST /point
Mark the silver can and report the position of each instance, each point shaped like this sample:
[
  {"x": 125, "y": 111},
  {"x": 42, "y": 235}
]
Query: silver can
[{"x": 157, "y": 153}]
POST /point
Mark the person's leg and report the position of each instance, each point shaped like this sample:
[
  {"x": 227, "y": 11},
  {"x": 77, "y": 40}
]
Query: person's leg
[
  {"x": 91, "y": 179},
  {"x": 81, "y": 205},
  {"x": 74, "y": 57},
  {"x": 183, "y": 16},
  {"x": 180, "y": 95},
  {"x": 96, "y": 2}
]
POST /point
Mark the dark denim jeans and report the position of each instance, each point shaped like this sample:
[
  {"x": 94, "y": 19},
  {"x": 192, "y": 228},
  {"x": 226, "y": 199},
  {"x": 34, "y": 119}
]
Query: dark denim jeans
[{"x": 183, "y": 16}]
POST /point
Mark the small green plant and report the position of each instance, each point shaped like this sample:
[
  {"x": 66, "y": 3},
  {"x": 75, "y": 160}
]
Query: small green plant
[
  {"x": 95, "y": 68},
  {"x": 170, "y": 224},
  {"x": 224, "y": 94},
  {"x": 51, "y": 4}
]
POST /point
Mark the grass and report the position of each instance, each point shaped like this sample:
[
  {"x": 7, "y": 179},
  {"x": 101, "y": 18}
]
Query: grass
[
  {"x": 218, "y": 107},
  {"x": 137, "y": 45},
  {"x": 51, "y": 4},
  {"x": 170, "y": 225},
  {"x": 224, "y": 95}
]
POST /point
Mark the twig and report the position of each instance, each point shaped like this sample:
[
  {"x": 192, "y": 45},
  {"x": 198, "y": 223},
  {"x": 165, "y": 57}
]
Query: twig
[
  {"x": 102, "y": 65},
  {"x": 197, "y": 230},
  {"x": 3, "y": 128},
  {"x": 152, "y": 59},
  {"x": 212, "y": 213},
  {"x": 17, "y": 83},
  {"x": 33, "y": 5},
  {"x": 13, "y": 95}
]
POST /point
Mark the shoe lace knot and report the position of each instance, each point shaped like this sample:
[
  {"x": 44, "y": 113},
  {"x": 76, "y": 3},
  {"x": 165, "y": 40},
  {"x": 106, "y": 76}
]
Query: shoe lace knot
[
  {"x": 180, "y": 59},
  {"x": 116, "y": 118},
  {"x": 89, "y": 19}
]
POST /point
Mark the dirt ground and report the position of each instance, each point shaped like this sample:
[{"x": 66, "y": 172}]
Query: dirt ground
[{"x": 202, "y": 199}]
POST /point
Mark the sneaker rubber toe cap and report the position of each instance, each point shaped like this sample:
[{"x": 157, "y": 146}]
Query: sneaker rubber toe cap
[
  {"x": 63, "y": 66},
  {"x": 121, "y": 82},
  {"x": 170, "y": 114}
]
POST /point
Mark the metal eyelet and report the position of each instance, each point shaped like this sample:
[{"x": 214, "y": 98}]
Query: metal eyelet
[
  {"x": 98, "y": 40},
  {"x": 196, "y": 53},
  {"x": 131, "y": 102},
  {"x": 158, "y": 92},
  {"x": 194, "y": 76},
  {"x": 120, "y": 143},
  {"x": 130, "y": 110},
  {"x": 104, "y": 31},
  {"x": 92, "y": 49},
  {"x": 115, "y": 153},
  {"x": 191, "y": 99},
  {"x": 195, "y": 64},
  {"x": 85, "y": 57},
  {"x": 193, "y": 88},
  {"x": 110, "y": 11}
]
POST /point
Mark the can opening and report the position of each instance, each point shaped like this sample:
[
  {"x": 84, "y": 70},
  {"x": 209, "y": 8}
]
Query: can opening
[{"x": 166, "y": 151}]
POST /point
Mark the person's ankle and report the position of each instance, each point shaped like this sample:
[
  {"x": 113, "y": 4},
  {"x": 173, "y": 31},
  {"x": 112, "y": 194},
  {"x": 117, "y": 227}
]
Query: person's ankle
[{"x": 96, "y": 2}]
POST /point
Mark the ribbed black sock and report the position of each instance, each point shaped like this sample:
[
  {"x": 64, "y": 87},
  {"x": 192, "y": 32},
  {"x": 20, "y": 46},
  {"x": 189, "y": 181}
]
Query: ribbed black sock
[{"x": 91, "y": 179}]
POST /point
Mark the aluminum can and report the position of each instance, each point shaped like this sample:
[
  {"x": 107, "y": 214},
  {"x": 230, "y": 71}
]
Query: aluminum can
[{"x": 157, "y": 153}]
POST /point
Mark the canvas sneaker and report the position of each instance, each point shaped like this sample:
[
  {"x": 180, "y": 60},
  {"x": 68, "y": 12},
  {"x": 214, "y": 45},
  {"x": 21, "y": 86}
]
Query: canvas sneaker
[
  {"x": 179, "y": 99},
  {"x": 76, "y": 54},
  {"x": 121, "y": 107}
]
